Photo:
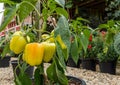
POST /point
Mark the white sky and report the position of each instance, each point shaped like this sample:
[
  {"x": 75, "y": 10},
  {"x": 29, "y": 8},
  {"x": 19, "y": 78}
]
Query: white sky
[{"x": 1, "y": 9}]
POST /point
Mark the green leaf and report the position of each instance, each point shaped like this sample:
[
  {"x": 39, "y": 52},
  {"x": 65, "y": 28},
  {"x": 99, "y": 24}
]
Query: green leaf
[
  {"x": 62, "y": 79},
  {"x": 62, "y": 29},
  {"x": 101, "y": 26},
  {"x": 38, "y": 76},
  {"x": 74, "y": 50},
  {"x": 52, "y": 5},
  {"x": 109, "y": 38},
  {"x": 117, "y": 45},
  {"x": 50, "y": 72},
  {"x": 65, "y": 36},
  {"x": 82, "y": 19},
  {"x": 32, "y": 1},
  {"x": 45, "y": 12},
  {"x": 55, "y": 73},
  {"x": 61, "y": 11},
  {"x": 61, "y": 2},
  {"x": 24, "y": 10},
  {"x": 5, "y": 50},
  {"x": 23, "y": 68},
  {"x": 11, "y": 12},
  {"x": 2, "y": 41},
  {"x": 111, "y": 23},
  {"x": 60, "y": 54},
  {"x": 15, "y": 1},
  {"x": 6, "y": 1},
  {"x": 17, "y": 81},
  {"x": 63, "y": 23},
  {"x": 84, "y": 42},
  {"x": 69, "y": 4},
  {"x": 87, "y": 33},
  {"x": 32, "y": 36},
  {"x": 23, "y": 78}
]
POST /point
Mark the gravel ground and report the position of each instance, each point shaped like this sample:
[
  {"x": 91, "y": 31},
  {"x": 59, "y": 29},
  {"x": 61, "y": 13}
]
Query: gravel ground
[
  {"x": 94, "y": 78},
  {"x": 6, "y": 76},
  {"x": 90, "y": 77}
]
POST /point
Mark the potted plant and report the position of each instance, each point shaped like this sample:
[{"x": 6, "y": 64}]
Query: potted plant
[
  {"x": 89, "y": 58},
  {"x": 108, "y": 56},
  {"x": 73, "y": 59},
  {"x": 108, "y": 60},
  {"x": 33, "y": 49},
  {"x": 79, "y": 40}
]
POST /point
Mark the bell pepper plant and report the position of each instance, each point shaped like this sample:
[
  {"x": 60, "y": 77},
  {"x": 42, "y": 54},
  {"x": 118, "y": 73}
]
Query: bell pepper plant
[{"x": 35, "y": 45}]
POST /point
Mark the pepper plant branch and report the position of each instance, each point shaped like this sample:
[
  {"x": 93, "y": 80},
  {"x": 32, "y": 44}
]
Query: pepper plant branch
[{"x": 18, "y": 66}]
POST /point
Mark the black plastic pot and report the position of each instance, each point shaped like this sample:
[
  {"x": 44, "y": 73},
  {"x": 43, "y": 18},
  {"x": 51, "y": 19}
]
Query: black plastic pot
[
  {"x": 108, "y": 67},
  {"x": 29, "y": 71},
  {"x": 75, "y": 81},
  {"x": 89, "y": 64},
  {"x": 72, "y": 81},
  {"x": 71, "y": 63},
  {"x": 5, "y": 62}
]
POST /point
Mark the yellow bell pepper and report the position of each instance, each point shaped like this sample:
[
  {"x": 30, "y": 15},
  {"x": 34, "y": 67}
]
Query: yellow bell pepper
[
  {"x": 58, "y": 38},
  {"x": 48, "y": 51},
  {"x": 33, "y": 53},
  {"x": 51, "y": 40},
  {"x": 18, "y": 33},
  {"x": 17, "y": 42}
]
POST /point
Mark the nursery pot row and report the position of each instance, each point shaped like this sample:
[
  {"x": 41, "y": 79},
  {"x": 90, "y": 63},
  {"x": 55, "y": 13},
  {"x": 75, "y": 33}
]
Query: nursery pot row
[
  {"x": 90, "y": 64},
  {"x": 105, "y": 67}
]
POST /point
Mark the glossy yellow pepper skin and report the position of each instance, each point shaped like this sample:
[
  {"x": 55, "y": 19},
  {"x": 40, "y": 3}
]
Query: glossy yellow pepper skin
[
  {"x": 48, "y": 51},
  {"x": 17, "y": 42},
  {"x": 58, "y": 38},
  {"x": 33, "y": 53}
]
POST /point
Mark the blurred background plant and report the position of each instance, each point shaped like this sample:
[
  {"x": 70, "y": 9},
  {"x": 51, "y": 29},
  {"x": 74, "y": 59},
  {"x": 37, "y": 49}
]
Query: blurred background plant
[
  {"x": 107, "y": 36},
  {"x": 113, "y": 9},
  {"x": 80, "y": 33}
]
